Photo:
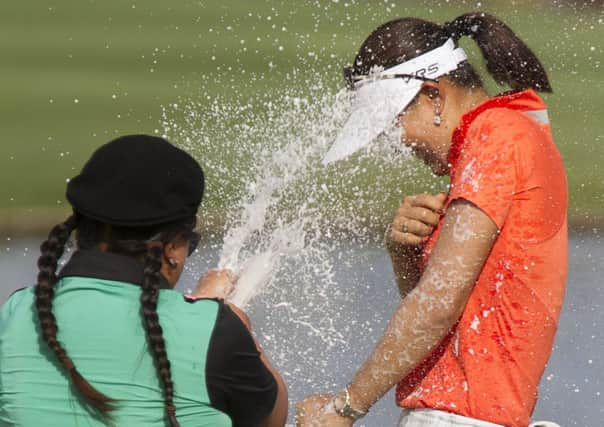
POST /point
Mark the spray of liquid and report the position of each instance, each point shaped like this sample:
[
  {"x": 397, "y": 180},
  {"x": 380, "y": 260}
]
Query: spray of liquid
[
  {"x": 290, "y": 203},
  {"x": 291, "y": 222}
]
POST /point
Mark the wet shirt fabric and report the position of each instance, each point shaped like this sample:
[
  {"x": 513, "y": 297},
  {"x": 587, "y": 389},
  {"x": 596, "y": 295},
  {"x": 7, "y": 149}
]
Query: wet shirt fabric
[
  {"x": 219, "y": 378},
  {"x": 504, "y": 161}
]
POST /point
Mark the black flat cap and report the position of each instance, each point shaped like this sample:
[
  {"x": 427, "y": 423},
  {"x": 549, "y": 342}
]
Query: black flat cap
[{"x": 137, "y": 181}]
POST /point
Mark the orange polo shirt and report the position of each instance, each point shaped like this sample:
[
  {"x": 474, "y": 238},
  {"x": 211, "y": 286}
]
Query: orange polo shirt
[{"x": 504, "y": 161}]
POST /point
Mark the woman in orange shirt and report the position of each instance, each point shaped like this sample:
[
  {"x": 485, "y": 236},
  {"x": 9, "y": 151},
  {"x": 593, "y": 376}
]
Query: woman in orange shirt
[{"x": 481, "y": 269}]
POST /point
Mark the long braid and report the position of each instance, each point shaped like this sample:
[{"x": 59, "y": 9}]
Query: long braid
[
  {"x": 153, "y": 330},
  {"x": 52, "y": 250}
]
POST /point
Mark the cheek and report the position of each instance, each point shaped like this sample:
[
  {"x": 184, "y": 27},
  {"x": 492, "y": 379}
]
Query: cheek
[
  {"x": 181, "y": 255},
  {"x": 414, "y": 122},
  {"x": 180, "y": 267},
  {"x": 406, "y": 121},
  {"x": 413, "y": 131}
]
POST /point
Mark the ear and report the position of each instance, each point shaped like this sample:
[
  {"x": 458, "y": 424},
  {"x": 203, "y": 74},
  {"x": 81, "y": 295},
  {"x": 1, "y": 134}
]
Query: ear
[
  {"x": 170, "y": 250},
  {"x": 173, "y": 257},
  {"x": 169, "y": 263}
]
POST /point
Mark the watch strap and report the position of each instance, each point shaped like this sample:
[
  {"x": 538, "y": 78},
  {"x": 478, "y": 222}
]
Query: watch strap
[{"x": 345, "y": 409}]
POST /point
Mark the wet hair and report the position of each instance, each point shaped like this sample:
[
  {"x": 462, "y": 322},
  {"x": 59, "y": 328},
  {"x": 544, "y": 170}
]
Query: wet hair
[
  {"x": 139, "y": 242},
  {"x": 508, "y": 59}
]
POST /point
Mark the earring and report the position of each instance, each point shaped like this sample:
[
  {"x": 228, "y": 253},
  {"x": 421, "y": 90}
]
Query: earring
[
  {"x": 172, "y": 263},
  {"x": 437, "y": 120}
]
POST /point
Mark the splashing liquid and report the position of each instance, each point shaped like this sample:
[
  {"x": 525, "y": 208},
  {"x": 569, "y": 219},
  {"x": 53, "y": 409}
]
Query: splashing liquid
[{"x": 286, "y": 214}]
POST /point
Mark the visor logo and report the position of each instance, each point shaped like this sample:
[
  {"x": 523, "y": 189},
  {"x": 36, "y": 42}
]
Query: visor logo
[{"x": 424, "y": 72}]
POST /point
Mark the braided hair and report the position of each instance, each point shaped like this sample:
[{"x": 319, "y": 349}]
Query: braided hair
[
  {"x": 129, "y": 241},
  {"x": 52, "y": 249},
  {"x": 153, "y": 330}
]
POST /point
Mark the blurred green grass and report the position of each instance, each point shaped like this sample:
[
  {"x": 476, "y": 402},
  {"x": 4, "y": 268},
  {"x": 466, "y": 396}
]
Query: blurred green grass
[{"x": 76, "y": 73}]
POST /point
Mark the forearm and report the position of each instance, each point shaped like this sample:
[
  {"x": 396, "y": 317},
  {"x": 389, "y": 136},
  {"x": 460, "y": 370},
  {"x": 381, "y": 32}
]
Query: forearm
[
  {"x": 418, "y": 325},
  {"x": 430, "y": 310},
  {"x": 407, "y": 273}
]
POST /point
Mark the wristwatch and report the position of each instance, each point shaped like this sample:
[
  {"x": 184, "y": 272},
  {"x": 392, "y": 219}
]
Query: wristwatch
[{"x": 341, "y": 404}]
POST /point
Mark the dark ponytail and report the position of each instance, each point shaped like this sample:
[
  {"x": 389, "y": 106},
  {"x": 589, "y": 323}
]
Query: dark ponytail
[
  {"x": 153, "y": 329},
  {"x": 508, "y": 59},
  {"x": 52, "y": 250}
]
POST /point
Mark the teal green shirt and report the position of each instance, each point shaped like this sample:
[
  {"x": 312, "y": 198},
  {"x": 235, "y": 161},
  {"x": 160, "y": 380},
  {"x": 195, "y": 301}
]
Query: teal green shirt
[{"x": 100, "y": 327}]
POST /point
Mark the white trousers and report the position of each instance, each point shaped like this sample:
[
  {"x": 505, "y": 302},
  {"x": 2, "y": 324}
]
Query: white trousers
[{"x": 434, "y": 418}]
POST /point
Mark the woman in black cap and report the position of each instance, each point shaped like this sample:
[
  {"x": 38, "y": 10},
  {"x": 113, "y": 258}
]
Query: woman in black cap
[{"x": 107, "y": 341}]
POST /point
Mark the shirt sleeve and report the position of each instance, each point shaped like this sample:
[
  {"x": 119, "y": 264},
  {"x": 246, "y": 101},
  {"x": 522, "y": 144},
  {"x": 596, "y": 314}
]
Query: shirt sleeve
[
  {"x": 486, "y": 174},
  {"x": 239, "y": 383}
]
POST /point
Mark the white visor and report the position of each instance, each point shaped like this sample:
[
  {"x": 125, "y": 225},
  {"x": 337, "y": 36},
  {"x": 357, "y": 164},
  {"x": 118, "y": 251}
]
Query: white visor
[{"x": 380, "y": 98}]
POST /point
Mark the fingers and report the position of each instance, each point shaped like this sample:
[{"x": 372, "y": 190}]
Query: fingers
[
  {"x": 429, "y": 201},
  {"x": 216, "y": 283},
  {"x": 220, "y": 272},
  {"x": 407, "y": 214},
  {"x": 412, "y": 226},
  {"x": 311, "y": 410},
  {"x": 416, "y": 219},
  {"x": 405, "y": 238},
  {"x": 233, "y": 277},
  {"x": 216, "y": 275},
  {"x": 432, "y": 203}
]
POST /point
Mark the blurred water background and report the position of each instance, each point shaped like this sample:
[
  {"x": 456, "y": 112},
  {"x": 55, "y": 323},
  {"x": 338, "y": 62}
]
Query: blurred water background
[{"x": 571, "y": 388}]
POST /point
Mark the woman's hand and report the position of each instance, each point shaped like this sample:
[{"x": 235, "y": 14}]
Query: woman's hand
[
  {"x": 415, "y": 220},
  {"x": 215, "y": 283},
  {"x": 317, "y": 411}
]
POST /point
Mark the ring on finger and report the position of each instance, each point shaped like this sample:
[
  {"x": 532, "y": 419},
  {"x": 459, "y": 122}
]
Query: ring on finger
[{"x": 405, "y": 228}]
